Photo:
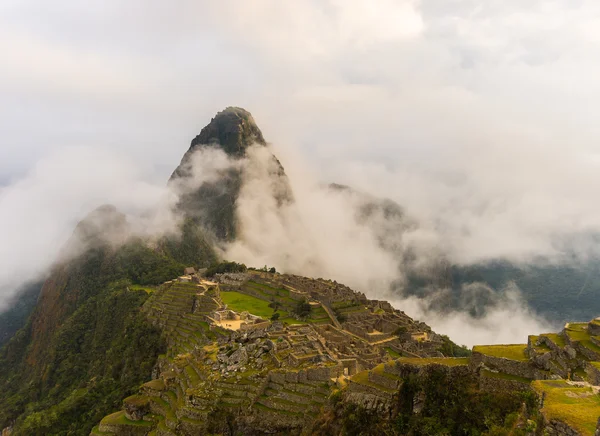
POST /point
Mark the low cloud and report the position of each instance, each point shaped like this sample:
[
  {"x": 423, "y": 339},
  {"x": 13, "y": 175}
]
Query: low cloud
[
  {"x": 509, "y": 322},
  {"x": 331, "y": 232},
  {"x": 39, "y": 211},
  {"x": 352, "y": 237}
]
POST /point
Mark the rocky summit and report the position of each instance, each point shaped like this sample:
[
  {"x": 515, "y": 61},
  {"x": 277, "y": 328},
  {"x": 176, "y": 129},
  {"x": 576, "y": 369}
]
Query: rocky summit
[{"x": 159, "y": 336}]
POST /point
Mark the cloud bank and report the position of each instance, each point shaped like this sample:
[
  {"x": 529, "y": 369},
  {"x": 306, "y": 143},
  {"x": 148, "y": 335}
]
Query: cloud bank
[{"x": 39, "y": 211}]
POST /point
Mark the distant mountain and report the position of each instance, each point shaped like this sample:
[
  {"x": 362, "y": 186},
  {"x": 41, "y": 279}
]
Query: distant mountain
[{"x": 558, "y": 292}]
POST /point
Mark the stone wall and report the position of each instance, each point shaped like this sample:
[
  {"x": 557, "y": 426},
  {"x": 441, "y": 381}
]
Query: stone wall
[
  {"x": 257, "y": 326},
  {"x": 382, "y": 380},
  {"x": 593, "y": 374},
  {"x": 557, "y": 428},
  {"x": 588, "y": 353},
  {"x": 489, "y": 383},
  {"x": 318, "y": 374},
  {"x": 594, "y": 327},
  {"x": 507, "y": 366}
]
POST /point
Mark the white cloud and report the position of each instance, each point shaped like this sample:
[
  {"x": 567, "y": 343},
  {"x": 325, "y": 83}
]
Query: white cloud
[{"x": 39, "y": 211}]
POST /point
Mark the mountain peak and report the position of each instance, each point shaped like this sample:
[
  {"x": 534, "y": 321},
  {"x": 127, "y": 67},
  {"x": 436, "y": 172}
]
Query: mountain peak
[{"x": 233, "y": 130}]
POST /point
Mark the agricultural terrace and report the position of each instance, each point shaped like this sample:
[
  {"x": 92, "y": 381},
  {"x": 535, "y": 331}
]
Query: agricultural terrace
[
  {"x": 578, "y": 407},
  {"x": 512, "y": 352}
]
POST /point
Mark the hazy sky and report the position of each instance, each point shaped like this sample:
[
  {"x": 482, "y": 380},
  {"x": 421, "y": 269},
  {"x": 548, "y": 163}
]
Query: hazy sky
[
  {"x": 392, "y": 82},
  {"x": 479, "y": 116}
]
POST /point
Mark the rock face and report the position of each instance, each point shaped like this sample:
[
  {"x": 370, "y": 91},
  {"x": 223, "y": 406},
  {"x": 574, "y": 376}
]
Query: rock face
[
  {"x": 212, "y": 204},
  {"x": 233, "y": 130}
]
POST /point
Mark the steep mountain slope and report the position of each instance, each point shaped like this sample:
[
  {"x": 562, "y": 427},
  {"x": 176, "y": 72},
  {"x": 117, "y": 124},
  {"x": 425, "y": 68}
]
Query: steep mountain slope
[
  {"x": 86, "y": 344},
  {"x": 18, "y": 310},
  {"x": 212, "y": 203}
]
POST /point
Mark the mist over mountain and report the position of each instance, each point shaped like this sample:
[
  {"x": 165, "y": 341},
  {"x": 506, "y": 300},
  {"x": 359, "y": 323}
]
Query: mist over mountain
[
  {"x": 231, "y": 191},
  {"x": 231, "y": 198}
]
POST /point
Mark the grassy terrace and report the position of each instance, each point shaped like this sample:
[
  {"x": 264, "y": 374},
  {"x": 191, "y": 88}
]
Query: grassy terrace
[
  {"x": 393, "y": 354},
  {"x": 446, "y": 361},
  {"x": 512, "y": 352},
  {"x": 577, "y": 332},
  {"x": 269, "y": 291},
  {"x": 578, "y": 407},
  {"x": 119, "y": 418},
  {"x": 363, "y": 379},
  {"x": 240, "y": 302},
  {"x": 147, "y": 289},
  {"x": 556, "y": 338},
  {"x": 157, "y": 385}
]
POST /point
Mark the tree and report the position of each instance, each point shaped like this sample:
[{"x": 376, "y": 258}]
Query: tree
[
  {"x": 400, "y": 331},
  {"x": 272, "y": 270},
  {"x": 275, "y": 305},
  {"x": 275, "y": 316},
  {"x": 302, "y": 309},
  {"x": 225, "y": 267}
]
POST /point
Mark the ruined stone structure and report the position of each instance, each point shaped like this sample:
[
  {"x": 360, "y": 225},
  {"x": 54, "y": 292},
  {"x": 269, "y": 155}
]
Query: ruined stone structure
[{"x": 275, "y": 376}]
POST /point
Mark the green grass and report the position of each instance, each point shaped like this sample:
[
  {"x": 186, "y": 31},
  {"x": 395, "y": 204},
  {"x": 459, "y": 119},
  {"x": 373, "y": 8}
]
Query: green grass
[
  {"x": 393, "y": 354},
  {"x": 166, "y": 407},
  {"x": 119, "y": 418},
  {"x": 447, "y": 361},
  {"x": 138, "y": 400},
  {"x": 577, "y": 332},
  {"x": 147, "y": 289},
  {"x": 556, "y": 338},
  {"x": 192, "y": 375},
  {"x": 577, "y": 326},
  {"x": 512, "y": 352},
  {"x": 576, "y": 406},
  {"x": 157, "y": 385},
  {"x": 242, "y": 302}
]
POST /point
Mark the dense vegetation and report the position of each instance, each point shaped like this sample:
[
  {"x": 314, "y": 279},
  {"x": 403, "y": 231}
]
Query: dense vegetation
[
  {"x": 225, "y": 267},
  {"x": 95, "y": 349},
  {"x": 18, "y": 310},
  {"x": 450, "y": 349},
  {"x": 449, "y": 405},
  {"x": 190, "y": 247}
]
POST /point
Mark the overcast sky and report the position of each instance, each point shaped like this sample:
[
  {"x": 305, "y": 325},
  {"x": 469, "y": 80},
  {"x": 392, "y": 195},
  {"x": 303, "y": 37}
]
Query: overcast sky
[
  {"x": 479, "y": 116},
  {"x": 387, "y": 81}
]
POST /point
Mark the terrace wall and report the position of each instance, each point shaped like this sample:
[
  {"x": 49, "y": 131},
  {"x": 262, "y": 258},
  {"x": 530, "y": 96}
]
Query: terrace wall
[{"x": 507, "y": 366}]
